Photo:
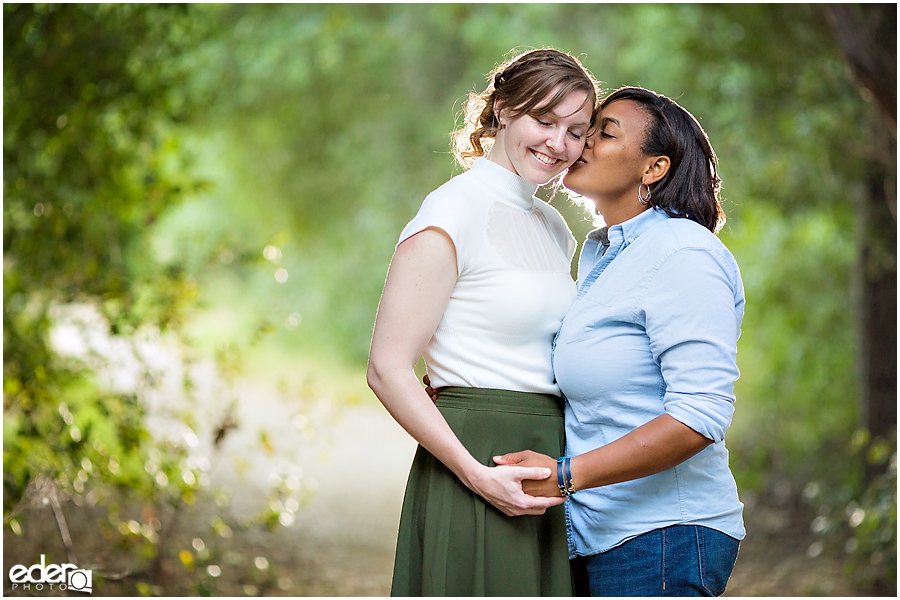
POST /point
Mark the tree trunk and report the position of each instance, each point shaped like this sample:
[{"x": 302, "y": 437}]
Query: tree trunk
[
  {"x": 867, "y": 37},
  {"x": 878, "y": 293}
]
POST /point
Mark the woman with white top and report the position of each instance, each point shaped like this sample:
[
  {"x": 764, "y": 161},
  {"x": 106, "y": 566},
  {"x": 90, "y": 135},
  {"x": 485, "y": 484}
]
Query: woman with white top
[
  {"x": 646, "y": 358},
  {"x": 478, "y": 284}
]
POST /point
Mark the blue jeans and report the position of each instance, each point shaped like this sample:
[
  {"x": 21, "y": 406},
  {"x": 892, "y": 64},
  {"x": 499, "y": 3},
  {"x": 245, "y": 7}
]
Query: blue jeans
[{"x": 681, "y": 560}]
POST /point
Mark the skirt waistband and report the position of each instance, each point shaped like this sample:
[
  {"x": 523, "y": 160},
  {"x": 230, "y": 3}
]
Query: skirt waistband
[{"x": 500, "y": 400}]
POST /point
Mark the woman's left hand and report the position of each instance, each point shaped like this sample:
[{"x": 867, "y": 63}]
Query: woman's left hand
[{"x": 527, "y": 458}]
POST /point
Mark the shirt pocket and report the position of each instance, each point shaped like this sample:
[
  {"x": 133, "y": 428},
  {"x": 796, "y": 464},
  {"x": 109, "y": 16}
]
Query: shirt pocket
[
  {"x": 602, "y": 295},
  {"x": 606, "y": 309},
  {"x": 619, "y": 287}
]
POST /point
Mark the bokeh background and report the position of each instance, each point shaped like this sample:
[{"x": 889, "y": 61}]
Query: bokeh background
[{"x": 199, "y": 206}]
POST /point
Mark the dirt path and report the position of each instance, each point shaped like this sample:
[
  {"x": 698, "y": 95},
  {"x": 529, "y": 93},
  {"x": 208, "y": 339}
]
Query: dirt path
[
  {"x": 349, "y": 529},
  {"x": 342, "y": 541}
]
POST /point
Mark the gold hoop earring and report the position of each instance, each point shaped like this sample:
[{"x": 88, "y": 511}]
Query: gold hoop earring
[{"x": 641, "y": 199}]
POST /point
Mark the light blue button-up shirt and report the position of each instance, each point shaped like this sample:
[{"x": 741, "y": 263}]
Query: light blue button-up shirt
[{"x": 653, "y": 330}]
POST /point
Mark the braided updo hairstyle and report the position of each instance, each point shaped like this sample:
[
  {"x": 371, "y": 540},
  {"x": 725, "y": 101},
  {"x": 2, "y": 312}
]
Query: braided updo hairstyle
[{"x": 519, "y": 84}]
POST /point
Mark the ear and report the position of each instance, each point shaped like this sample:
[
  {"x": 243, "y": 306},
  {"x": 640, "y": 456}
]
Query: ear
[
  {"x": 501, "y": 114},
  {"x": 656, "y": 169}
]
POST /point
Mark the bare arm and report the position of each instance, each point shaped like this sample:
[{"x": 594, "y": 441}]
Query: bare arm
[
  {"x": 418, "y": 287},
  {"x": 652, "y": 448}
]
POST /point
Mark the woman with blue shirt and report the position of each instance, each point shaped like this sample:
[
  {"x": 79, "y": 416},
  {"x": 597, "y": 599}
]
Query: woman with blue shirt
[{"x": 646, "y": 358}]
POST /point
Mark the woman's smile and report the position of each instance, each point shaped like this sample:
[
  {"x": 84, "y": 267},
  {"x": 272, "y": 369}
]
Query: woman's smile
[{"x": 545, "y": 159}]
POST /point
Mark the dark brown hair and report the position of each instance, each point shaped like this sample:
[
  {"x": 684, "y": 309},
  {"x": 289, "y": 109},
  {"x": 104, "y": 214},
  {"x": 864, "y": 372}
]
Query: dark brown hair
[
  {"x": 519, "y": 84},
  {"x": 691, "y": 187}
]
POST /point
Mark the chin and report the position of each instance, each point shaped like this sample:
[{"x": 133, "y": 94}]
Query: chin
[{"x": 572, "y": 188}]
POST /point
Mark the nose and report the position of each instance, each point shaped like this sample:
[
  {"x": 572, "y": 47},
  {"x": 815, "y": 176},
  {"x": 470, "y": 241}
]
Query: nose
[
  {"x": 589, "y": 142},
  {"x": 556, "y": 141}
]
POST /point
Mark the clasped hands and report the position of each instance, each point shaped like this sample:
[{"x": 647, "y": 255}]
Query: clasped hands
[
  {"x": 540, "y": 488},
  {"x": 549, "y": 487}
]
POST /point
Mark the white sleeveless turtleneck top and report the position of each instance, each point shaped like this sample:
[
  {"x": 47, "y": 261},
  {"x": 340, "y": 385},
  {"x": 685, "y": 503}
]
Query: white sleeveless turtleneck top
[{"x": 513, "y": 254}]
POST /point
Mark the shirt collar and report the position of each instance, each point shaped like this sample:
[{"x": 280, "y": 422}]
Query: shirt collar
[
  {"x": 504, "y": 184},
  {"x": 630, "y": 230}
]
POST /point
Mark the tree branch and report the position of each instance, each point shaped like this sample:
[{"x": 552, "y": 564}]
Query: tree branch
[{"x": 63, "y": 526}]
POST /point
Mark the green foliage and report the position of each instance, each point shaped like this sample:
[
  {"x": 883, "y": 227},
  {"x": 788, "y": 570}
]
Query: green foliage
[
  {"x": 239, "y": 173},
  {"x": 92, "y": 157},
  {"x": 89, "y": 160},
  {"x": 793, "y": 391},
  {"x": 860, "y": 521}
]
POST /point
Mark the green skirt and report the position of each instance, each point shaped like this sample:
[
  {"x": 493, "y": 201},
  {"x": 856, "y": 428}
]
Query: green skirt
[{"x": 452, "y": 542}]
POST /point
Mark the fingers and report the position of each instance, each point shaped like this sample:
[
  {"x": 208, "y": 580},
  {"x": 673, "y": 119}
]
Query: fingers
[
  {"x": 534, "y": 506},
  {"x": 428, "y": 389},
  {"x": 512, "y": 458},
  {"x": 502, "y": 487},
  {"x": 555, "y": 501},
  {"x": 533, "y": 473}
]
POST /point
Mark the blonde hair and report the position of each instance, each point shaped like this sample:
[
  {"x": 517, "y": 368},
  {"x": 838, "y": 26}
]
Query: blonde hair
[{"x": 519, "y": 84}]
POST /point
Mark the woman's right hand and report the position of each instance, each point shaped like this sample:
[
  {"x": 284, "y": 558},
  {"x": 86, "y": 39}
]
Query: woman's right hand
[{"x": 502, "y": 487}]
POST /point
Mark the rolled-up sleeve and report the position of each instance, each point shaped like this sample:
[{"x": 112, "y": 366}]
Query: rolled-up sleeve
[{"x": 692, "y": 315}]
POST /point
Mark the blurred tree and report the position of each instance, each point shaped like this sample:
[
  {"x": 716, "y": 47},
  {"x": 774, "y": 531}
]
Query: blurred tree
[
  {"x": 90, "y": 160},
  {"x": 867, "y": 36},
  {"x": 84, "y": 173},
  {"x": 98, "y": 99}
]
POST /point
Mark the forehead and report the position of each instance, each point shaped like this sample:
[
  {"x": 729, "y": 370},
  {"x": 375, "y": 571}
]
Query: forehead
[
  {"x": 625, "y": 114},
  {"x": 575, "y": 105}
]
